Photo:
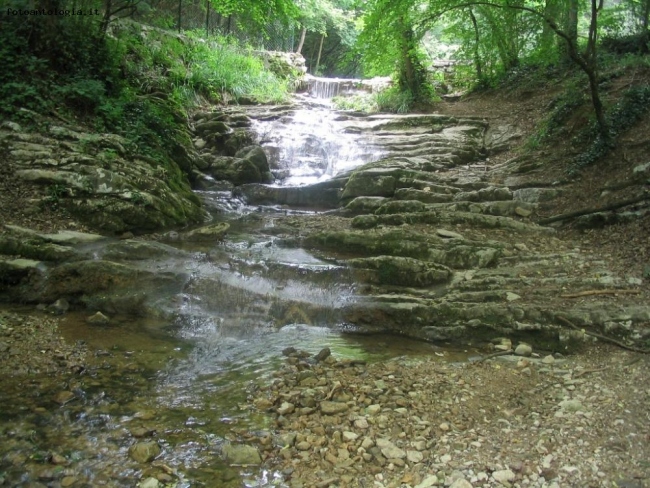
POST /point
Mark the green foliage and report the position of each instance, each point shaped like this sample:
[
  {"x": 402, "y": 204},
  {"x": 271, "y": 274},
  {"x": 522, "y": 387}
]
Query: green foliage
[
  {"x": 390, "y": 100},
  {"x": 138, "y": 198},
  {"x": 54, "y": 194},
  {"x": 82, "y": 94},
  {"x": 359, "y": 103},
  {"x": 136, "y": 83},
  {"x": 259, "y": 11},
  {"x": 220, "y": 68},
  {"x": 395, "y": 101},
  {"x": 562, "y": 107},
  {"x": 633, "y": 105}
]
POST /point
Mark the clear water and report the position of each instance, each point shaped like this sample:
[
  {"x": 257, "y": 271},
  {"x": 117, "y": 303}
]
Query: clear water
[{"x": 312, "y": 145}]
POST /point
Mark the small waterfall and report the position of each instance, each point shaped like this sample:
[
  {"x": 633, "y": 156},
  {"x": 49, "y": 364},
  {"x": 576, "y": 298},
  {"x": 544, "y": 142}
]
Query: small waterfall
[
  {"x": 326, "y": 88},
  {"x": 329, "y": 87},
  {"x": 313, "y": 144}
]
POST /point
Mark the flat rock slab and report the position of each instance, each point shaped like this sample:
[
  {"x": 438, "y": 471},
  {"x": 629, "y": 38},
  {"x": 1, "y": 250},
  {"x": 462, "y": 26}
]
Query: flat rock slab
[
  {"x": 333, "y": 408},
  {"x": 241, "y": 454}
]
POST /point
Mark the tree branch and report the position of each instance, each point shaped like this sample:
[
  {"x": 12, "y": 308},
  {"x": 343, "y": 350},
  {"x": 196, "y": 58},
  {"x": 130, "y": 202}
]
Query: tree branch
[{"x": 579, "y": 213}]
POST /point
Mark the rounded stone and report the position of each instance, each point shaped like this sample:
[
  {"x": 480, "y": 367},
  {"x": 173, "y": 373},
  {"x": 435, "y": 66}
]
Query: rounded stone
[
  {"x": 523, "y": 350},
  {"x": 144, "y": 452}
]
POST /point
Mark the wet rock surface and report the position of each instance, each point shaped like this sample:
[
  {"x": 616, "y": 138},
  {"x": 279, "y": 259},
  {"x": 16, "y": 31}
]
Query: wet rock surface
[{"x": 432, "y": 200}]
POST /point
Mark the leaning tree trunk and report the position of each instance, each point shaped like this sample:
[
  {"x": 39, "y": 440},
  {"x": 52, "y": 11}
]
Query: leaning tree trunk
[
  {"x": 477, "y": 54},
  {"x": 320, "y": 51},
  {"x": 303, "y": 33}
]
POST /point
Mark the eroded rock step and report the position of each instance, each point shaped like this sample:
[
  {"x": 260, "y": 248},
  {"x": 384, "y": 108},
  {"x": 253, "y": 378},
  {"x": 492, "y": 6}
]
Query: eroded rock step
[
  {"x": 238, "y": 284},
  {"x": 446, "y": 251}
]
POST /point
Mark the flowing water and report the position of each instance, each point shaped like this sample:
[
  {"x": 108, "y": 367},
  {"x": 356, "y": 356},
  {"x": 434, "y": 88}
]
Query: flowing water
[
  {"x": 313, "y": 144},
  {"x": 183, "y": 379}
]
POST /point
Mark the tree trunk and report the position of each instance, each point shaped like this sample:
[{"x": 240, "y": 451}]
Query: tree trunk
[
  {"x": 645, "y": 33},
  {"x": 207, "y": 19},
  {"x": 570, "y": 27},
  {"x": 108, "y": 8},
  {"x": 592, "y": 73},
  {"x": 303, "y": 33},
  {"x": 477, "y": 55},
  {"x": 549, "y": 40},
  {"x": 320, "y": 50},
  {"x": 410, "y": 69},
  {"x": 180, "y": 14}
]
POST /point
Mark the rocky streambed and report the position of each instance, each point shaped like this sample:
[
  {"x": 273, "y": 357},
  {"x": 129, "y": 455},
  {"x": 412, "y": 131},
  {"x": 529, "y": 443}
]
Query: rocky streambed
[
  {"x": 518, "y": 421},
  {"x": 415, "y": 234}
]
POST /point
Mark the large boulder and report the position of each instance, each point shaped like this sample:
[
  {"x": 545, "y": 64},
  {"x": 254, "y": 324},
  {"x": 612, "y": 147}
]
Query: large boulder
[
  {"x": 249, "y": 165},
  {"x": 256, "y": 155}
]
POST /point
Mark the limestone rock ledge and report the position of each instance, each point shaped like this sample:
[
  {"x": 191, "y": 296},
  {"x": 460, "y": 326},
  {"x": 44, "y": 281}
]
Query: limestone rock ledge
[{"x": 101, "y": 179}]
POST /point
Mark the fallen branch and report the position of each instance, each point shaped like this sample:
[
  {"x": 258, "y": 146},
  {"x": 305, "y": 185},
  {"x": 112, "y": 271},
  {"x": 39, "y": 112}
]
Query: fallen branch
[
  {"x": 495, "y": 355},
  {"x": 587, "y": 293},
  {"x": 580, "y": 213},
  {"x": 587, "y": 371},
  {"x": 620, "y": 344}
]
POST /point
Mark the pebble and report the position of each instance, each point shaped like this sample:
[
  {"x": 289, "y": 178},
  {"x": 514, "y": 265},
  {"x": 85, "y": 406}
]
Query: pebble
[
  {"x": 286, "y": 408},
  {"x": 414, "y": 456},
  {"x": 393, "y": 438},
  {"x": 332, "y": 408},
  {"x": 149, "y": 483},
  {"x": 428, "y": 482},
  {"x": 64, "y": 397},
  {"x": 98, "y": 319},
  {"x": 503, "y": 475},
  {"x": 68, "y": 481},
  {"x": 350, "y": 436},
  {"x": 303, "y": 446},
  {"x": 390, "y": 450},
  {"x": 548, "y": 359},
  {"x": 361, "y": 423},
  {"x": 461, "y": 483},
  {"x": 571, "y": 405},
  {"x": 373, "y": 409}
]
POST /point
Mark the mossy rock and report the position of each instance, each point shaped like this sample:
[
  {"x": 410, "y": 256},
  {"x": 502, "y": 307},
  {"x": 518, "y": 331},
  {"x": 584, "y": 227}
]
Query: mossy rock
[
  {"x": 401, "y": 271},
  {"x": 401, "y": 206},
  {"x": 36, "y": 249},
  {"x": 215, "y": 232},
  {"x": 237, "y": 140},
  {"x": 376, "y": 243},
  {"x": 365, "y": 205},
  {"x": 369, "y": 185},
  {"x": 422, "y": 195}
]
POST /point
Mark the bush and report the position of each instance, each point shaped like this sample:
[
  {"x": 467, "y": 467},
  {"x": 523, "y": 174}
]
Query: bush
[
  {"x": 629, "y": 109},
  {"x": 395, "y": 101},
  {"x": 222, "y": 69}
]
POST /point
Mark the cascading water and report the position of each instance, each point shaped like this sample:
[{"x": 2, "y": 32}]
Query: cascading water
[
  {"x": 185, "y": 373},
  {"x": 312, "y": 144}
]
